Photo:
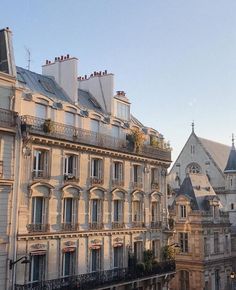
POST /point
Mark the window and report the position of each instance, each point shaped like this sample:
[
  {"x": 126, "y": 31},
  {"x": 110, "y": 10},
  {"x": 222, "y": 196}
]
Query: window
[
  {"x": 37, "y": 267},
  {"x": 96, "y": 168},
  {"x": 183, "y": 212},
  {"x": 68, "y": 211},
  {"x": 94, "y": 125},
  {"x": 137, "y": 211},
  {"x": 40, "y": 164},
  {"x": 40, "y": 111},
  {"x": 192, "y": 149},
  {"x": 138, "y": 250},
  {"x": 227, "y": 244},
  {"x": 70, "y": 167},
  {"x": 118, "y": 257},
  {"x": 115, "y": 131},
  {"x": 184, "y": 280},
  {"x": 117, "y": 173},
  {"x": 193, "y": 168},
  {"x": 216, "y": 243},
  {"x": 38, "y": 211},
  {"x": 137, "y": 175},
  {"x": 96, "y": 260},
  {"x": 155, "y": 210},
  {"x": 183, "y": 241},
  {"x": 69, "y": 119},
  {"x": 154, "y": 178},
  {"x": 232, "y": 206},
  {"x": 68, "y": 263},
  {"x": 96, "y": 209},
  {"x": 217, "y": 279},
  {"x": 122, "y": 111},
  {"x": 118, "y": 210},
  {"x": 206, "y": 252},
  {"x": 156, "y": 249}
]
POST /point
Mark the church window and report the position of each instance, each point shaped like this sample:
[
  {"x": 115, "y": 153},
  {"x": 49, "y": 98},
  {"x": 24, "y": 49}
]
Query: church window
[
  {"x": 193, "y": 168},
  {"x": 192, "y": 149}
]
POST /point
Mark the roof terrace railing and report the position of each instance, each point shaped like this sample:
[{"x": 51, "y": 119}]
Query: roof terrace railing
[
  {"x": 70, "y": 133},
  {"x": 100, "y": 279}
]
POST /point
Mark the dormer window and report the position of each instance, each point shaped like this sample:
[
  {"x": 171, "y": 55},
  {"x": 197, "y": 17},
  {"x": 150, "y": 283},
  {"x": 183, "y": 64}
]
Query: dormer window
[
  {"x": 183, "y": 211},
  {"x": 122, "y": 110}
]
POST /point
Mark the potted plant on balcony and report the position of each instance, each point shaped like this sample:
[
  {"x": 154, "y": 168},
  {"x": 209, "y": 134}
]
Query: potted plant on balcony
[
  {"x": 136, "y": 139},
  {"x": 48, "y": 126}
]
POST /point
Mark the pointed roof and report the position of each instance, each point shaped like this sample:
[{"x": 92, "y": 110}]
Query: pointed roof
[
  {"x": 231, "y": 164},
  {"x": 198, "y": 189}
]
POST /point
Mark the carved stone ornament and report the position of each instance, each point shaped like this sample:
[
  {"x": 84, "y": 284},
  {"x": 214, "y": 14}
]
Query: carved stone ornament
[
  {"x": 69, "y": 243},
  {"x": 118, "y": 240},
  {"x": 96, "y": 241},
  {"x": 139, "y": 238},
  {"x": 38, "y": 246}
]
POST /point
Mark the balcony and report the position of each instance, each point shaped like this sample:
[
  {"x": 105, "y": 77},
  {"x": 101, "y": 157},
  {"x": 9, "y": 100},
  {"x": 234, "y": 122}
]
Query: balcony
[
  {"x": 7, "y": 118},
  {"x": 137, "y": 185},
  {"x": 156, "y": 225},
  {"x": 96, "y": 226},
  {"x": 35, "y": 228},
  {"x": 70, "y": 133},
  {"x": 40, "y": 174},
  {"x": 106, "y": 279},
  {"x": 117, "y": 182},
  {"x": 118, "y": 225},
  {"x": 70, "y": 227},
  {"x": 96, "y": 181}
]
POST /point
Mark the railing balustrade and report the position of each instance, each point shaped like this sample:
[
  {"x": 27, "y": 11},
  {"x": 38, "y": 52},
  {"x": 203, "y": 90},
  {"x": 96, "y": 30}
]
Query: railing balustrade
[
  {"x": 117, "y": 182},
  {"x": 99, "y": 279},
  {"x": 118, "y": 225},
  {"x": 96, "y": 226},
  {"x": 33, "y": 228},
  {"x": 156, "y": 224},
  {"x": 65, "y": 132},
  {"x": 70, "y": 226}
]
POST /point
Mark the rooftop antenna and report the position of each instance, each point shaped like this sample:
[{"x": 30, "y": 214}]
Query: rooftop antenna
[{"x": 28, "y": 58}]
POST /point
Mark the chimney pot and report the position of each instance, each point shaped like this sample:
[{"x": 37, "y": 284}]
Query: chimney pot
[
  {"x": 91, "y": 75},
  {"x": 68, "y": 56},
  {"x": 7, "y": 28},
  {"x": 62, "y": 57},
  {"x": 105, "y": 71},
  {"x": 85, "y": 77},
  {"x": 55, "y": 58}
]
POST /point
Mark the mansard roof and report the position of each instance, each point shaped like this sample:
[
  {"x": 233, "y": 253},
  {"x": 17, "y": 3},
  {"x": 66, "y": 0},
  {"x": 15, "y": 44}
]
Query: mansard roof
[
  {"x": 198, "y": 189},
  {"x": 231, "y": 164}
]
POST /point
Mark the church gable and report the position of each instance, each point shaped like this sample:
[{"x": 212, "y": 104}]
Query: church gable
[{"x": 194, "y": 158}]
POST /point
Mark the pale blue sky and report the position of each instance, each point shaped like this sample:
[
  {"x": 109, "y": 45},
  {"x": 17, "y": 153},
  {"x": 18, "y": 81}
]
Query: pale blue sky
[{"x": 175, "y": 59}]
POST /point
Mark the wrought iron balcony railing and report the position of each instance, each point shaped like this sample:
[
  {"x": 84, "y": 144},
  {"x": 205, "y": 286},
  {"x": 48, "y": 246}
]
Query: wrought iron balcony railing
[
  {"x": 118, "y": 225},
  {"x": 155, "y": 225},
  {"x": 70, "y": 227},
  {"x": 33, "y": 228},
  {"x": 101, "y": 279},
  {"x": 7, "y": 118},
  {"x": 136, "y": 224},
  {"x": 40, "y": 174},
  {"x": 96, "y": 226},
  {"x": 70, "y": 133},
  {"x": 117, "y": 182},
  {"x": 96, "y": 181},
  {"x": 137, "y": 185}
]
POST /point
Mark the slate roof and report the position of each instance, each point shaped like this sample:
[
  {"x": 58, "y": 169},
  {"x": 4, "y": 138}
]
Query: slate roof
[
  {"x": 198, "y": 189},
  {"x": 87, "y": 100},
  {"x": 231, "y": 164},
  {"x": 219, "y": 152},
  {"x": 42, "y": 84}
]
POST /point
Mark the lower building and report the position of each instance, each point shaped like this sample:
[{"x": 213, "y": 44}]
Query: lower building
[{"x": 202, "y": 231}]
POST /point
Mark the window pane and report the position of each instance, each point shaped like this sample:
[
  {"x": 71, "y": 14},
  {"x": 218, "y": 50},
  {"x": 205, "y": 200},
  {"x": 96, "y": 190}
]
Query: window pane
[
  {"x": 37, "y": 210},
  {"x": 68, "y": 207},
  {"x": 69, "y": 119},
  {"x": 40, "y": 111}
]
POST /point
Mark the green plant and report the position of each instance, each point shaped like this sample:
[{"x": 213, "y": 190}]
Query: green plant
[
  {"x": 48, "y": 126},
  {"x": 148, "y": 259},
  {"x": 136, "y": 138},
  {"x": 167, "y": 253},
  {"x": 140, "y": 267},
  {"x": 154, "y": 142}
]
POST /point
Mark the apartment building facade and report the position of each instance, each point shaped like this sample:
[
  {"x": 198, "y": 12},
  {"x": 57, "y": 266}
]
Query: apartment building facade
[{"x": 92, "y": 183}]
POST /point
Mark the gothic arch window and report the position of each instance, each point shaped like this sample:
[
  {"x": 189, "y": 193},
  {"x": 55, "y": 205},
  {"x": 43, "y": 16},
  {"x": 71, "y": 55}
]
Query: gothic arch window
[{"x": 193, "y": 168}]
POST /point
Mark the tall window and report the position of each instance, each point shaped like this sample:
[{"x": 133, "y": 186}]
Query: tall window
[
  {"x": 137, "y": 211},
  {"x": 38, "y": 210},
  {"x": 37, "y": 268},
  {"x": 94, "y": 125},
  {"x": 138, "y": 250},
  {"x": 96, "y": 168},
  {"x": 154, "y": 178},
  {"x": 226, "y": 243},
  {"x": 117, "y": 173},
  {"x": 70, "y": 168},
  {"x": 69, "y": 119},
  {"x": 192, "y": 149},
  {"x": 40, "y": 111},
  {"x": 137, "y": 175},
  {"x": 184, "y": 280},
  {"x": 118, "y": 211},
  {"x": 206, "y": 251},
  {"x": 96, "y": 210},
  {"x": 40, "y": 164},
  {"x": 118, "y": 257},
  {"x": 216, "y": 243},
  {"x": 115, "y": 131},
  {"x": 122, "y": 110},
  {"x": 96, "y": 260},
  {"x": 183, "y": 212},
  {"x": 68, "y": 263},
  {"x": 155, "y": 207},
  {"x": 183, "y": 240},
  {"x": 217, "y": 279},
  {"x": 68, "y": 211},
  {"x": 156, "y": 249}
]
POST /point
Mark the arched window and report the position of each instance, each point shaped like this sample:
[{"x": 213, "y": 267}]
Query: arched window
[
  {"x": 193, "y": 168},
  {"x": 96, "y": 208},
  {"x": 118, "y": 209},
  {"x": 137, "y": 209},
  {"x": 184, "y": 280}
]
